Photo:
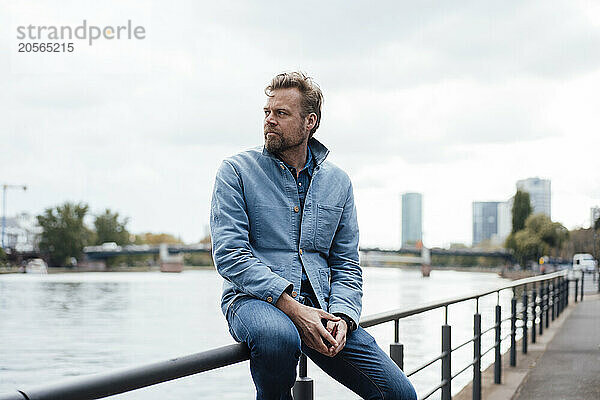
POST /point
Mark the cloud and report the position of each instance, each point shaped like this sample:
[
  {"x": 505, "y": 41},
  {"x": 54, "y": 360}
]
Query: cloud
[{"x": 456, "y": 100}]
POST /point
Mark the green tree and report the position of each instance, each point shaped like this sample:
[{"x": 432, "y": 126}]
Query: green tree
[
  {"x": 110, "y": 229},
  {"x": 157, "y": 238},
  {"x": 64, "y": 233},
  {"x": 521, "y": 209},
  {"x": 3, "y": 257},
  {"x": 539, "y": 236}
]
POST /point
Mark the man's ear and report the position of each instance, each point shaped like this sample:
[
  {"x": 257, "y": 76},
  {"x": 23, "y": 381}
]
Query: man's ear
[{"x": 311, "y": 121}]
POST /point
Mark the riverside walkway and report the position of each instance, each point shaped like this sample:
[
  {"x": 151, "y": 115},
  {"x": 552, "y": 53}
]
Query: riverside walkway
[{"x": 570, "y": 366}]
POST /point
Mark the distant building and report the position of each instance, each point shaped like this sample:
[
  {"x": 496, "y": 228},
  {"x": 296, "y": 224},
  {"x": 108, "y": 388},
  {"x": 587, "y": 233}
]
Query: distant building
[
  {"x": 594, "y": 215},
  {"x": 21, "y": 232},
  {"x": 539, "y": 194},
  {"x": 504, "y": 221},
  {"x": 412, "y": 216},
  {"x": 485, "y": 220}
]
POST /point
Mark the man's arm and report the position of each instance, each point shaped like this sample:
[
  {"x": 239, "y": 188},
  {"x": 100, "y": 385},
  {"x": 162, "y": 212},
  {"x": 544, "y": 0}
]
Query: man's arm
[
  {"x": 345, "y": 296},
  {"x": 232, "y": 254}
]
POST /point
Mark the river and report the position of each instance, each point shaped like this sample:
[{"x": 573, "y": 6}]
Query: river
[{"x": 61, "y": 325}]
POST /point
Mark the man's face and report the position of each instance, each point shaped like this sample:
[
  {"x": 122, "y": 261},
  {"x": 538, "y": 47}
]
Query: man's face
[{"x": 284, "y": 127}]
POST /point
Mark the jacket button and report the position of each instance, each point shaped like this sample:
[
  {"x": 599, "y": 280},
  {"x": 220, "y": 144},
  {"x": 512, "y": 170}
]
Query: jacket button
[
  {"x": 300, "y": 251},
  {"x": 270, "y": 299},
  {"x": 296, "y": 209},
  {"x": 294, "y": 293}
]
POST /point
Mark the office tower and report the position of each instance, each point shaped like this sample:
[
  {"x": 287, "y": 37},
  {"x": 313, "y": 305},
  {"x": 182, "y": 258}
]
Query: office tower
[
  {"x": 412, "y": 215},
  {"x": 504, "y": 220},
  {"x": 485, "y": 220},
  {"x": 539, "y": 194}
]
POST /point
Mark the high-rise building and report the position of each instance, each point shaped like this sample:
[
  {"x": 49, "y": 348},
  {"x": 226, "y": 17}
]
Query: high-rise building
[
  {"x": 594, "y": 215},
  {"x": 504, "y": 220},
  {"x": 485, "y": 220},
  {"x": 412, "y": 216},
  {"x": 539, "y": 194}
]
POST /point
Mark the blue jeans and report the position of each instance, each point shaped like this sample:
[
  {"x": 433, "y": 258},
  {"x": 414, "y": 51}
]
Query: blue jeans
[{"x": 275, "y": 349}]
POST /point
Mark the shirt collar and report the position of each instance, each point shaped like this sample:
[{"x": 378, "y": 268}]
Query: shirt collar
[{"x": 308, "y": 166}]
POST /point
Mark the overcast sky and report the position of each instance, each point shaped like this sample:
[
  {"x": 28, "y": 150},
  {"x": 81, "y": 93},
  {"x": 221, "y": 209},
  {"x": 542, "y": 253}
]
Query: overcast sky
[{"x": 456, "y": 100}]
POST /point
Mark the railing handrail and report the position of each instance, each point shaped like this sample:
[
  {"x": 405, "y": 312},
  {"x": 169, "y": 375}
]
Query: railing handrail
[
  {"x": 388, "y": 316},
  {"x": 126, "y": 379}
]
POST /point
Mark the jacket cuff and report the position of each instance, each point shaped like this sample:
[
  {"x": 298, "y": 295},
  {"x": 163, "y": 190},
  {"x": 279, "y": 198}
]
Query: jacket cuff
[{"x": 281, "y": 285}]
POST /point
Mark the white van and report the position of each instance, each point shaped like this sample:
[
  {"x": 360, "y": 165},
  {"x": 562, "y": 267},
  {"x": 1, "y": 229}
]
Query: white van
[{"x": 584, "y": 262}]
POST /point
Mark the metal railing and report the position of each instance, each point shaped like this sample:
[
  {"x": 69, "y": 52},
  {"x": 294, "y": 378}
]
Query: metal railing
[{"x": 535, "y": 314}]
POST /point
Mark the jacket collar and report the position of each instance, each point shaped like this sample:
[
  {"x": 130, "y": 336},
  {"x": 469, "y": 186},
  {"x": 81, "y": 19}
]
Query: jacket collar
[{"x": 318, "y": 149}]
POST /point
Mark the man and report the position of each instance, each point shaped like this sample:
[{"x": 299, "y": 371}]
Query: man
[{"x": 285, "y": 239}]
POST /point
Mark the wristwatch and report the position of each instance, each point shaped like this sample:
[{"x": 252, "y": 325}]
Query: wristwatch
[{"x": 349, "y": 322}]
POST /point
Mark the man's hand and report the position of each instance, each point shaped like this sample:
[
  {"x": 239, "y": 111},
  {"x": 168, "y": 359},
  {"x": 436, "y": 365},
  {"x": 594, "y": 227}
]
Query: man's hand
[
  {"x": 338, "y": 330},
  {"x": 308, "y": 322}
]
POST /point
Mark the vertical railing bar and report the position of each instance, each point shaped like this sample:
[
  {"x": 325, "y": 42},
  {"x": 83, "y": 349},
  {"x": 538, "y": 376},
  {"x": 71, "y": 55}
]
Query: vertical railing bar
[
  {"x": 533, "y": 313},
  {"x": 477, "y": 356},
  {"x": 541, "y": 326},
  {"x": 446, "y": 362},
  {"x": 547, "y": 303},
  {"x": 525, "y": 307},
  {"x": 513, "y": 331},
  {"x": 498, "y": 356}
]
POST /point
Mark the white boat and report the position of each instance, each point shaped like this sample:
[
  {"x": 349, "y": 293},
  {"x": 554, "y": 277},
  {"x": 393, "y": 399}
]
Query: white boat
[{"x": 36, "y": 266}]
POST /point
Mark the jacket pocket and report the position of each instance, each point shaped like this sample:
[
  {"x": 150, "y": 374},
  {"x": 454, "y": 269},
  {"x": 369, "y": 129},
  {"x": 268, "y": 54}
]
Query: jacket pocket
[
  {"x": 272, "y": 227},
  {"x": 328, "y": 218}
]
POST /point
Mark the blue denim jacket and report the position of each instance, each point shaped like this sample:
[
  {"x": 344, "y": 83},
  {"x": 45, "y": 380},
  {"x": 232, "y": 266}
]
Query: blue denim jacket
[{"x": 260, "y": 242}]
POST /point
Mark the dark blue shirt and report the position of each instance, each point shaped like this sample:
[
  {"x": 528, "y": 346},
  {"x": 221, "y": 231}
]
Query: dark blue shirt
[{"x": 302, "y": 183}]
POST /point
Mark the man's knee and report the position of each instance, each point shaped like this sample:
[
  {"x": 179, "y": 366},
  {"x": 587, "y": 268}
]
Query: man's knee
[
  {"x": 400, "y": 389},
  {"x": 273, "y": 340}
]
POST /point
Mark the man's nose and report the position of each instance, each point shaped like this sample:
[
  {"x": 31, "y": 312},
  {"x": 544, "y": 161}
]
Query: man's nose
[{"x": 270, "y": 120}]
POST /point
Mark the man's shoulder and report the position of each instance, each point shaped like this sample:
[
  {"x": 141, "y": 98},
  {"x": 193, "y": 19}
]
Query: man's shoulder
[
  {"x": 335, "y": 171},
  {"x": 245, "y": 157}
]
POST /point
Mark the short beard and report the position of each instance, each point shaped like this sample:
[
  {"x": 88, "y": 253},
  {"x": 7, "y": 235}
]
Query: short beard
[{"x": 274, "y": 144}]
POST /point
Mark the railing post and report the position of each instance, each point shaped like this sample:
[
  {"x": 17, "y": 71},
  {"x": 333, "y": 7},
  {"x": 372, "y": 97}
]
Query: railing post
[
  {"x": 567, "y": 290},
  {"x": 563, "y": 290},
  {"x": 303, "y": 388},
  {"x": 553, "y": 299},
  {"x": 513, "y": 332},
  {"x": 498, "y": 357},
  {"x": 547, "y": 304},
  {"x": 477, "y": 356},
  {"x": 541, "y": 325},
  {"x": 396, "y": 348},
  {"x": 533, "y": 313},
  {"x": 446, "y": 362},
  {"x": 559, "y": 299},
  {"x": 524, "y": 314}
]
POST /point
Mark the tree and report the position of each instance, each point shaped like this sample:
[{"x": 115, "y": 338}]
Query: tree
[
  {"x": 539, "y": 236},
  {"x": 110, "y": 229},
  {"x": 64, "y": 233},
  {"x": 597, "y": 224},
  {"x": 157, "y": 238},
  {"x": 521, "y": 209}
]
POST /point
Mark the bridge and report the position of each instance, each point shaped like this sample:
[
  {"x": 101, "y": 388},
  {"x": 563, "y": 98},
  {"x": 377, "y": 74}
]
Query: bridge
[
  {"x": 171, "y": 260},
  {"x": 171, "y": 255}
]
